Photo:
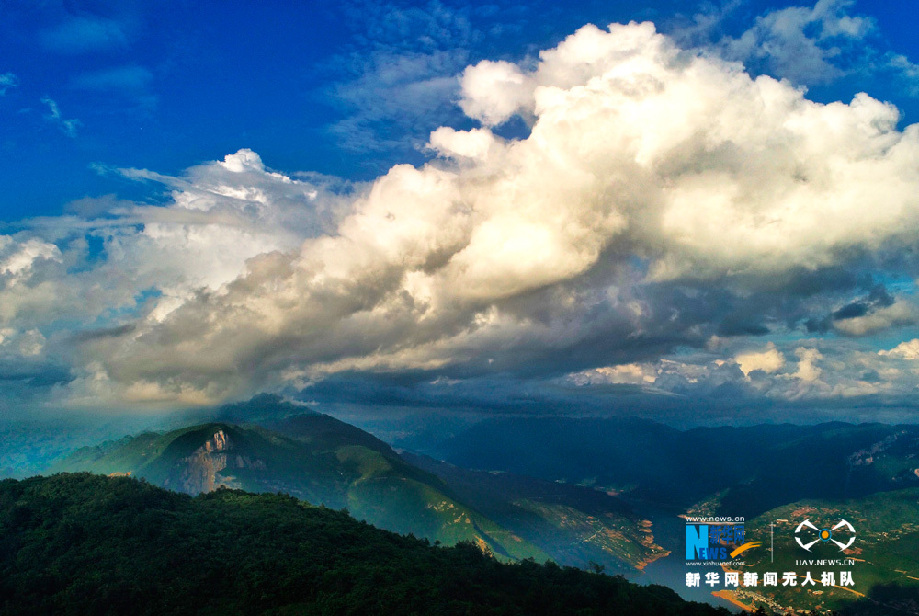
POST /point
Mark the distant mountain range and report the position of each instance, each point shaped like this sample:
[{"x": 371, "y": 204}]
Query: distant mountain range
[{"x": 750, "y": 470}]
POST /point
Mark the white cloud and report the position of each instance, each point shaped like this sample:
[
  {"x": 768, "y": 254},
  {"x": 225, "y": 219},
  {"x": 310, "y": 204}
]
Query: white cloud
[
  {"x": 768, "y": 360},
  {"x": 907, "y": 70},
  {"x": 685, "y": 376},
  {"x": 392, "y": 94},
  {"x": 645, "y": 166},
  {"x": 222, "y": 214},
  {"x": 709, "y": 169},
  {"x": 808, "y": 370},
  {"x": 634, "y": 374},
  {"x": 841, "y": 372},
  {"x": 20, "y": 344},
  {"x": 738, "y": 173},
  {"x": 472, "y": 144},
  {"x": 807, "y": 45},
  {"x": 16, "y": 259},
  {"x": 495, "y": 91},
  {"x": 153, "y": 259},
  {"x": 905, "y": 350}
]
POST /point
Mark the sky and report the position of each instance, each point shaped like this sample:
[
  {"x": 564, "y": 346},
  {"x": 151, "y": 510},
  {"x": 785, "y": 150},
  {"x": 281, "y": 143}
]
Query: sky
[{"x": 704, "y": 212}]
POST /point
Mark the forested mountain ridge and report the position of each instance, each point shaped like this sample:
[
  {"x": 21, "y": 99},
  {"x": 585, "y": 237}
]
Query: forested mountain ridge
[
  {"x": 336, "y": 465},
  {"x": 325, "y": 461},
  {"x": 88, "y": 544}
]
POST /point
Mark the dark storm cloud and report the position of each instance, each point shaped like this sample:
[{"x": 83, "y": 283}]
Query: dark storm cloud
[{"x": 877, "y": 298}]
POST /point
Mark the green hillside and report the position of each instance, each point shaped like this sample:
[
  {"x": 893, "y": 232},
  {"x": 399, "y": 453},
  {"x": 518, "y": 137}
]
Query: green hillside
[
  {"x": 318, "y": 459},
  {"x": 326, "y": 461},
  {"x": 86, "y": 544}
]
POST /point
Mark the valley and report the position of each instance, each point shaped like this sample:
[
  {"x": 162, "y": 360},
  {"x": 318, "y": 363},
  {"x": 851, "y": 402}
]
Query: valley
[{"x": 603, "y": 495}]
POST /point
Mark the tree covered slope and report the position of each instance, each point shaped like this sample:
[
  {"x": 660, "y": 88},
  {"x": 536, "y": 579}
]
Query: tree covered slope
[
  {"x": 326, "y": 461},
  {"x": 318, "y": 459},
  {"x": 88, "y": 544}
]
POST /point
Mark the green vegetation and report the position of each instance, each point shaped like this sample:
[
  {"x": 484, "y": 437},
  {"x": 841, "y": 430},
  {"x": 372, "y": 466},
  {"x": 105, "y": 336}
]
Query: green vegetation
[
  {"x": 86, "y": 544},
  {"x": 325, "y": 461},
  {"x": 318, "y": 459}
]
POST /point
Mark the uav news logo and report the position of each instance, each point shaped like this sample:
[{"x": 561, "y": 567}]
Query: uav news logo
[
  {"x": 715, "y": 541},
  {"x": 807, "y": 535}
]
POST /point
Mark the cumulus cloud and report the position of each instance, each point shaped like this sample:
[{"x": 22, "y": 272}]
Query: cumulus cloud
[
  {"x": 905, "y": 350},
  {"x": 16, "y": 259},
  {"x": 658, "y": 198},
  {"x": 812, "y": 374},
  {"x": 808, "y": 370},
  {"x": 472, "y": 144},
  {"x": 22, "y": 344},
  {"x": 726, "y": 171},
  {"x": 91, "y": 278},
  {"x": 633, "y": 374},
  {"x": 767, "y": 360},
  {"x": 495, "y": 91}
]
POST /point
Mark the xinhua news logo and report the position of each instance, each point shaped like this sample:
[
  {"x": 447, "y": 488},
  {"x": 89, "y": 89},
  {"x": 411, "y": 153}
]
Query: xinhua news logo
[{"x": 718, "y": 540}]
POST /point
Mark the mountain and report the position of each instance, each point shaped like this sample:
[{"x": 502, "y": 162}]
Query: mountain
[
  {"x": 326, "y": 461},
  {"x": 92, "y": 545},
  {"x": 316, "y": 458},
  {"x": 737, "y": 471}
]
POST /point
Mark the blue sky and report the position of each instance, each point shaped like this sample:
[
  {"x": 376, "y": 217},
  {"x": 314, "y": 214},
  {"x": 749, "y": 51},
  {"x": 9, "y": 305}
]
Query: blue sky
[
  {"x": 443, "y": 204},
  {"x": 167, "y": 85}
]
